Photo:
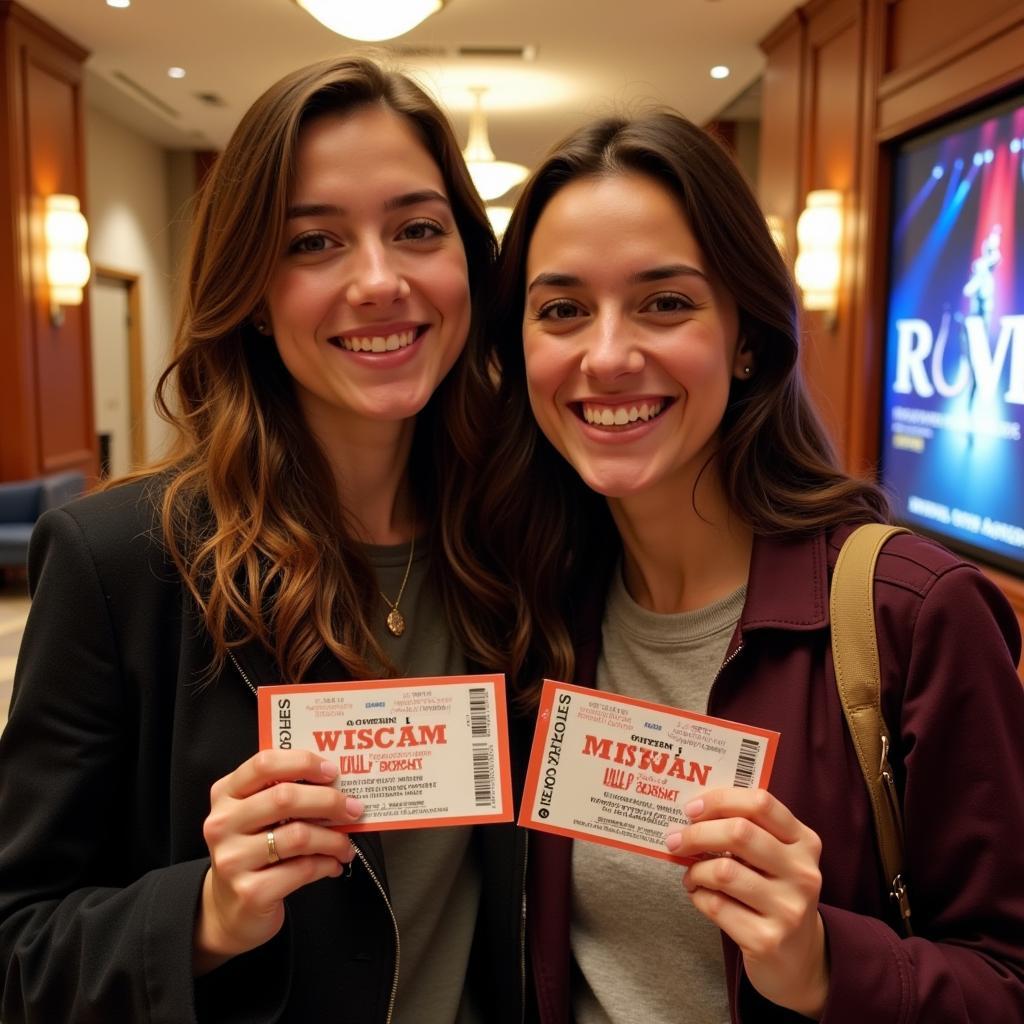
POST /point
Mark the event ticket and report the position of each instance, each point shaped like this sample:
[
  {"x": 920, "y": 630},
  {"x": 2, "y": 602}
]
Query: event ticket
[
  {"x": 417, "y": 752},
  {"x": 619, "y": 771}
]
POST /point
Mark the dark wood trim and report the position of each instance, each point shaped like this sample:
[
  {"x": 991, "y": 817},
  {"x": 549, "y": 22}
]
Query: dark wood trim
[
  {"x": 991, "y": 30},
  {"x": 792, "y": 22},
  {"x": 43, "y": 29}
]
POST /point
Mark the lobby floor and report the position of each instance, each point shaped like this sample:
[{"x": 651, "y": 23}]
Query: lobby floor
[{"x": 13, "y": 613}]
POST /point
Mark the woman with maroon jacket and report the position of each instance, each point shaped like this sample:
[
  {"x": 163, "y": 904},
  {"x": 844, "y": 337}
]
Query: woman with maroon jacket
[{"x": 671, "y": 510}]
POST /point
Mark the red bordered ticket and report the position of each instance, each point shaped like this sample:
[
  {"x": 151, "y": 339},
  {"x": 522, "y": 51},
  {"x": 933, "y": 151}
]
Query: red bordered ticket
[
  {"x": 618, "y": 771},
  {"x": 417, "y": 752}
]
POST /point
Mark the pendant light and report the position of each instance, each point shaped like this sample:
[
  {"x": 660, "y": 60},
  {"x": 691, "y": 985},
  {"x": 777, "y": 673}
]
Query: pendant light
[
  {"x": 492, "y": 177},
  {"x": 371, "y": 20}
]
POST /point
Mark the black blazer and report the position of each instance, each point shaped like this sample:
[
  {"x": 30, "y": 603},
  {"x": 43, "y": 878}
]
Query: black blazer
[{"x": 106, "y": 765}]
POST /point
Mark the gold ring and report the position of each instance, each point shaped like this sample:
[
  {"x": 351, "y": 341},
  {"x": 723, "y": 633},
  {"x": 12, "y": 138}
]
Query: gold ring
[{"x": 272, "y": 855}]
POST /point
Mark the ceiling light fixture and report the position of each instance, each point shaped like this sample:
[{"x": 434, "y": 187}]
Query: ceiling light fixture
[
  {"x": 491, "y": 176},
  {"x": 499, "y": 216},
  {"x": 720, "y": 71},
  {"x": 119, "y": 3},
  {"x": 176, "y": 72},
  {"x": 371, "y": 21}
]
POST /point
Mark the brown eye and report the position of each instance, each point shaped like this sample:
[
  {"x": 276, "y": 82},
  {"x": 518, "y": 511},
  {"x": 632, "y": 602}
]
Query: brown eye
[
  {"x": 312, "y": 242},
  {"x": 421, "y": 230},
  {"x": 668, "y": 304},
  {"x": 559, "y": 311}
]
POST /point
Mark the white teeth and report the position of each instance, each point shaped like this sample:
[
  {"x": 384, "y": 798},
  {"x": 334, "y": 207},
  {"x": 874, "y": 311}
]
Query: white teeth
[
  {"x": 378, "y": 343},
  {"x": 621, "y": 415}
]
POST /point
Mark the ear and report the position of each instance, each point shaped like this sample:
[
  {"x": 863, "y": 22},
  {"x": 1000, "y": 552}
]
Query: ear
[
  {"x": 743, "y": 361},
  {"x": 261, "y": 321}
]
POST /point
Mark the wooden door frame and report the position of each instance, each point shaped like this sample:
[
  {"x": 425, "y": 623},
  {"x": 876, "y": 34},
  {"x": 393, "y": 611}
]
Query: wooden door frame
[{"x": 136, "y": 362}]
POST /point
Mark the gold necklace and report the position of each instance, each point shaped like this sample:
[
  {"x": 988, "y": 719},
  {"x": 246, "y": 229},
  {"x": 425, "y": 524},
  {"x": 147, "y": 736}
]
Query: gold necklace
[{"x": 395, "y": 619}]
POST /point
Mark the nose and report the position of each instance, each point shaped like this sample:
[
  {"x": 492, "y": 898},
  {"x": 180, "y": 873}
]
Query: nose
[
  {"x": 374, "y": 276},
  {"x": 611, "y": 351}
]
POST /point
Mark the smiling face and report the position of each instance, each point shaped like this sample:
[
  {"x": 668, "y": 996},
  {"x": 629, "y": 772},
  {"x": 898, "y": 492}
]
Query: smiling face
[
  {"x": 369, "y": 305},
  {"x": 630, "y": 344}
]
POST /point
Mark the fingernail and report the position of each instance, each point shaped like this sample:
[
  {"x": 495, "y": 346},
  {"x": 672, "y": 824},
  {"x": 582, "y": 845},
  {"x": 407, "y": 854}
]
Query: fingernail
[
  {"x": 673, "y": 841},
  {"x": 329, "y": 769},
  {"x": 693, "y": 808},
  {"x": 354, "y": 807}
]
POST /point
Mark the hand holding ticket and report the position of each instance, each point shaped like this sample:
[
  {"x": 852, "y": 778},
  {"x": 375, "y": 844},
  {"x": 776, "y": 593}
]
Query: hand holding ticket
[
  {"x": 416, "y": 752},
  {"x": 619, "y": 771}
]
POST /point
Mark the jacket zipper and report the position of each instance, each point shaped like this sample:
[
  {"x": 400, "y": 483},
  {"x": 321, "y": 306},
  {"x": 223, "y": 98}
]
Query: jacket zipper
[
  {"x": 721, "y": 668},
  {"x": 241, "y": 672},
  {"x": 384, "y": 895},
  {"x": 522, "y": 933},
  {"x": 394, "y": 925}
]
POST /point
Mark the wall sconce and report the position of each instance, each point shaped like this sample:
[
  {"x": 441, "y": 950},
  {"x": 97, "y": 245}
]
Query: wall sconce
[
  {"x": 371, "y": 21},
  {"x": 819, "y": 233},
  {"x": 492, "y": 177},
  {"x": 67, "y": 266}
]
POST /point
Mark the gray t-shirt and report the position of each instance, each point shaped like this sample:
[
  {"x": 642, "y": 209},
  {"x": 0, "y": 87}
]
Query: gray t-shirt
[
  {"x": 433, "y": 874},
  {"x": 620, "y": 899}
]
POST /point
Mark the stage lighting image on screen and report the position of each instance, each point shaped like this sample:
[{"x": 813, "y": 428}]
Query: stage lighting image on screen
[{"x": 953, "y": 411}]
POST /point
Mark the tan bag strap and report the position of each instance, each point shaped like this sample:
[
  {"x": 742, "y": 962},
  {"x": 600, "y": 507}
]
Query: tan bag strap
[{"x": 855, "y": 656}]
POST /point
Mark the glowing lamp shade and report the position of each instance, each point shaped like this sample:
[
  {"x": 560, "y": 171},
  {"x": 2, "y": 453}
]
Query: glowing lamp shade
[
  {"x": 819, "y": 233},
  {"x": 67, "y": 266},
  {"x": 371, "y": 20},
  {"x": 492, "y": 177},
  {"x": 499, "y": 216}
]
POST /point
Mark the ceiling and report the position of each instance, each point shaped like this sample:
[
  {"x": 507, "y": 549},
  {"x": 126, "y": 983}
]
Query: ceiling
[{"x": 590, "y": 57}]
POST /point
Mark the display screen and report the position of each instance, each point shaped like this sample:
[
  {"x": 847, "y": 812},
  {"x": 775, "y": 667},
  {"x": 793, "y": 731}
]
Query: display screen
[{"x": 953, "y": 410}]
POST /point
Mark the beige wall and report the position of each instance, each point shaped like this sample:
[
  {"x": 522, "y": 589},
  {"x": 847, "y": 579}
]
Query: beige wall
[{"x": 130, "y": 230}]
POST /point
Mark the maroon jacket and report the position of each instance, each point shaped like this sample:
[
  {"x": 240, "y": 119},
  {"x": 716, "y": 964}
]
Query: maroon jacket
[{"x": 948, "y": 645}]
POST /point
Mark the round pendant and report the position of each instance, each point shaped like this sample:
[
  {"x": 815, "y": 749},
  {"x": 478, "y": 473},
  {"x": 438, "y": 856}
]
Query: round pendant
[{"x": 396, "y": 622}]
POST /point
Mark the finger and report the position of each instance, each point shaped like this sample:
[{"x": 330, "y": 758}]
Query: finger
[
  {"x": 270, "y": 766},
  {"x": 742, "y": 924},
  {"x": 286, "y": 800},
  {"x": 741, "y": 837},
  {"x": 757, "y": 805},
  {"x": 299, "y": 839},
  {"x": 732, "y": 878},
  {"x": 261, "y": 891}
]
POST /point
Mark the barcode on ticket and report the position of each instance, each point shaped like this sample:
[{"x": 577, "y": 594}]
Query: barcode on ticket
[
  {"x": 483, "y": 774},
  {"x": 746, "y": 763},
  {"x": 479, "y": 714}
]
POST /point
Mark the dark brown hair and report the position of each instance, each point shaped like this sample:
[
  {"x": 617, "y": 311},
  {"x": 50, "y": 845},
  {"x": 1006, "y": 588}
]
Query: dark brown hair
[
  {"x": 248, "y": 503},
  {"x": 551, "y": 534}
]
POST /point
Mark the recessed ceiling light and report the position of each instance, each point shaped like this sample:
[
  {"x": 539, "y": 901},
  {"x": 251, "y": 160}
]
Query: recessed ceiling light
[
  {"x": 119, "y": 3},
  {"x": 176, "y": 72},
  {"x": 719, "y": 71}
]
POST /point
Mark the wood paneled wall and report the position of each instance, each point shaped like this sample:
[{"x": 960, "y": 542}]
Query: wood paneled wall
[
  {"x": 843, "y": 79},
  {"x": 45, "y": 381}
]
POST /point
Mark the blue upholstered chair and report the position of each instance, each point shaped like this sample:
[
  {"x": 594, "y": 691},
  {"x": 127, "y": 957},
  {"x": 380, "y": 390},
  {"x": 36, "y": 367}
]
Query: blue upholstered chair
[{"x": 22, "y": 502}]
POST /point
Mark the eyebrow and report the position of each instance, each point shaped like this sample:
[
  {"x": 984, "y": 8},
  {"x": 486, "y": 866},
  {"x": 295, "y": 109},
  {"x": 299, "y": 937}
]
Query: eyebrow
[
  {"x": 662, "y": 273},
  {"x": 426, "y": 195}
]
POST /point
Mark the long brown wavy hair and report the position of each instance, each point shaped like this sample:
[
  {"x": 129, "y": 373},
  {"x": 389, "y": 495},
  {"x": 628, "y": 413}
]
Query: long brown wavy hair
[
  {"x": 248, "y": 504},
  {"x": 550, "y": 534}
]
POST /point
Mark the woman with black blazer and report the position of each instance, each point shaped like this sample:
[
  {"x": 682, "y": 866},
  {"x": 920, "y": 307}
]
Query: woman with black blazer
[{"x": 309, "y": 525}]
